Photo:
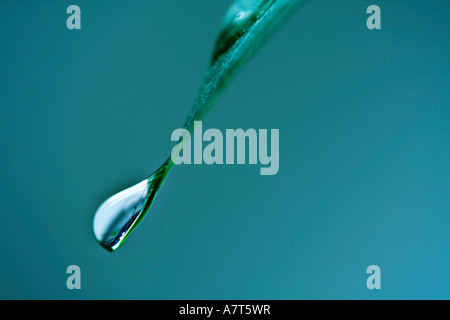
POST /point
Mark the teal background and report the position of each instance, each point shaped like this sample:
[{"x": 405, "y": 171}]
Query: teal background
[{"x": 364, "y": 153}]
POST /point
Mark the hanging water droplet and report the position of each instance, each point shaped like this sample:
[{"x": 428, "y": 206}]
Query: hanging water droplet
[
  {"x": 117, "y": 214},
  {"x": 121, "y": 213}
]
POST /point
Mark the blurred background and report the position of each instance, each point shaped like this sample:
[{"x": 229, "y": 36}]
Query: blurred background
[{"x": 364, "y": 173}]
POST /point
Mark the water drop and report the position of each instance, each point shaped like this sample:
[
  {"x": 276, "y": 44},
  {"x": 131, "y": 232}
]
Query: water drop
[{"x": 116, "y": 218}]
